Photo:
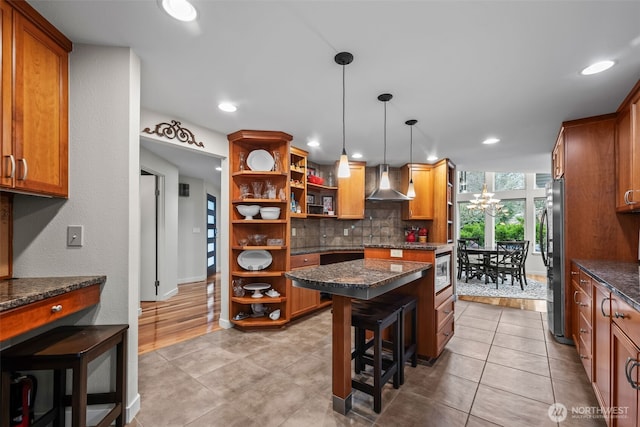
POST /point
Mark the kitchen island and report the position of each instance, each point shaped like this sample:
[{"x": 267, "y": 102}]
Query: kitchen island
[{"x": 360, "y": 279}]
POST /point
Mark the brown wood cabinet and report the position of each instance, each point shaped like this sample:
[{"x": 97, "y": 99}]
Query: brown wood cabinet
[
  {"x": 624, "y": 381},
  {"x": 6, "y": 235},
  {"x": 304, "y": 300},
  {"x": 241, "y": 309},
  {"x": 298, "y": 179},
  {"x": 557, "y": 157},
  {"x": 628, "y": 153},
  {"x": 351, "y": 195},
  {"x": 421, "y": 207},
  {"x": 35, "y": 122},
  {"x": 601, "y": 344},
  {"x": 443, "y": 202}
]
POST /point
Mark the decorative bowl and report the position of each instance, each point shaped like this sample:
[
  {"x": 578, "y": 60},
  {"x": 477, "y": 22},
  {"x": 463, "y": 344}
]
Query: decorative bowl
[
  {"x": 314, "y": 179},
  {"x": 270, "y": 213},
  {"x": 248, "y": 211},
  {"x": 257, "y": 239}
]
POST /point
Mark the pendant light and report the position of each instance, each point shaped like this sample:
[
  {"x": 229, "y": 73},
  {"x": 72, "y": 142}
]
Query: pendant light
[
  {"x": 411, "y": 191},
  {"x": 384, "y": 192},
  {"x": 343, "y": 58}
]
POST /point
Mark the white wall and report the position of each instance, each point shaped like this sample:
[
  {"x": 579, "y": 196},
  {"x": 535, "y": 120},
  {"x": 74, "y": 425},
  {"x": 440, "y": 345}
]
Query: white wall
[
  {"x": 192, "y": 232},
  {"x": 167, "y": 221},
  {"x": 104, "y": 108}
]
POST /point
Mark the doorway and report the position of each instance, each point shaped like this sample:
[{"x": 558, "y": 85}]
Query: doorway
[
  {"x": 212, "y": 231},
  {"x": 149, "y": 192}
]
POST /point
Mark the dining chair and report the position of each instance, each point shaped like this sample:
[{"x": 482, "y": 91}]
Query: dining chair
[
  {"x": 471, "y": 266},
  {"x": 509, "y": 260}
]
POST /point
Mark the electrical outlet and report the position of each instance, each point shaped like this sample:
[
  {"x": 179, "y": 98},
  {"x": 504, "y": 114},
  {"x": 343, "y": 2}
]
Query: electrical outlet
[
  {"x": 293, "y": 232},
  {"x": 74, "y": 236},
  {"x": 346, "y": 231}
]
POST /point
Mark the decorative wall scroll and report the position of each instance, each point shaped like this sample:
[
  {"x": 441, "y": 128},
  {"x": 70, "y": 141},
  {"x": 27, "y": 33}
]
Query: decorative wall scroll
[{"x": 174, "y": 131}]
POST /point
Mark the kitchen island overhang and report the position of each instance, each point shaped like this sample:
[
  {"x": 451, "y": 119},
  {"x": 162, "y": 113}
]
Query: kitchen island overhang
[{"x": 359, "y": 279}]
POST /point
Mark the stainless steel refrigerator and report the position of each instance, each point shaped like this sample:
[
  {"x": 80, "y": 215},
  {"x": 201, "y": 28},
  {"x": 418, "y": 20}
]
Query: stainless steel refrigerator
[{"x": 552, "y": 250}]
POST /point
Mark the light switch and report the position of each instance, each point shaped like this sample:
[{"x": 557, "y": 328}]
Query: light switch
[
  {"x": 74, "y": 236},
  {"x": 346, "y": 232},
  {"x": 293, "y": 232}
]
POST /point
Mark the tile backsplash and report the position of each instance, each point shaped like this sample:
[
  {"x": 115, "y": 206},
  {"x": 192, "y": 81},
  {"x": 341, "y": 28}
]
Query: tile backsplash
[{"x": 382, "y": 224}]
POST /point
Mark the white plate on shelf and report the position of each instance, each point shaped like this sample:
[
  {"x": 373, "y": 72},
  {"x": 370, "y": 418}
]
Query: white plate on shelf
[
  {"x": 254, "y": 260},
  {"x": 260, "y": 160}
]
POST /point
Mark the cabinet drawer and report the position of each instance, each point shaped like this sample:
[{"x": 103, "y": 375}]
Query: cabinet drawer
[
  {"x": 306, "y": 260},
  {"x": 585, "y": 357},
  {"x": 626, "y": 317},
  {"x": 444, "y": 334},
  {"x": 585, "y": 332},
  {"x": 443, "y": 312},
  {"x": 443, "y": 295},
  {"x": 583, "y": 302},
  {"x": 22, "y": 319},
  {"x": 585, "y": 282}
]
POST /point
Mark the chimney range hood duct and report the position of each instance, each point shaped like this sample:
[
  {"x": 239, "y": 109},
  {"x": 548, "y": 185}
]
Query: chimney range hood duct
[{"x": 386, "y": 195}]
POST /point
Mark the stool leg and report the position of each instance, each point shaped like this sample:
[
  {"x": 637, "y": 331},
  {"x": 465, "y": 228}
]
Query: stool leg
[
  {"x": 59, "y": 390},
  {"x": 5, "y": 415},
  {"x": 377, "y": 371},
  {"x": 79, "y": 395},
  {"x": 359, "y": 350},
  {"x": 414, "y": 336},
  {"x": 398, "y": 378}
]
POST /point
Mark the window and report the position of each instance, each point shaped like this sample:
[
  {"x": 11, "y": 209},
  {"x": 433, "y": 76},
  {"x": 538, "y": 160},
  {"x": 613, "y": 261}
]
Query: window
[
  {"x": 542, "y": 179},
  {"x": 539, "y": 207},
  {"x": 510, "y": 223},
  {"x": 471, "y": 222},
  {"x": 470, "y": 182},
  {"x": 509, "y": 181}
]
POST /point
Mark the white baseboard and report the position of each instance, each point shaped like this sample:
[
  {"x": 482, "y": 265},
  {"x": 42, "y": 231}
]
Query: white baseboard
[
  {"x": 224, "y": 323},
  {"x": 133, "y": 408},
  {"x": 191, "y": 279},
  {"x": 169, "y": 294}
]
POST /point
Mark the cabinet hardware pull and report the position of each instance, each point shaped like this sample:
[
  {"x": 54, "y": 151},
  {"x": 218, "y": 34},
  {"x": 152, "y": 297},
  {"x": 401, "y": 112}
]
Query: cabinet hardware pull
[
  {"x": 583, "y": 281},
  {"x": 446, "y": 334},
  {"x": 575, "y": 294},
  {"x": 25, "y": 169},
  {"x": 56, "y": 308},
  {"x": 447, "y": 311},
  {"x": 619, "y": 315},
  {"x": 602, "y": 307},
  {"x": 582, "y": 356},
  {"x": 13, "y": 166},
  {"x": 628, "y": 367},
  {"x": 583, "y": 305},
  {"x": 574, "y": 273},
  {"x": 626, "y": 197},
  {"x": 306, "y": 260},
  {"x": 583, "y": 331}
]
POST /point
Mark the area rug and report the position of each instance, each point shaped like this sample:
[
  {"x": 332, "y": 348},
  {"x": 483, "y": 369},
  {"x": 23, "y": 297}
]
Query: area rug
[{"x": 476, "y": 287}]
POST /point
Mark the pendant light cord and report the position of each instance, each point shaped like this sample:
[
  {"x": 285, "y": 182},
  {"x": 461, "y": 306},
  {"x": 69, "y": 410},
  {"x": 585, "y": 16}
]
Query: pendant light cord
[
  {"x": 343, "y": 107},
  {"x": 411, "y": 153},
  {"x": 385, "y": 133}
]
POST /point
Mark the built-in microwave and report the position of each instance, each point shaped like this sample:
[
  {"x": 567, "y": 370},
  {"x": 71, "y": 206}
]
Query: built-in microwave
[{"x": 443, "y": 272}]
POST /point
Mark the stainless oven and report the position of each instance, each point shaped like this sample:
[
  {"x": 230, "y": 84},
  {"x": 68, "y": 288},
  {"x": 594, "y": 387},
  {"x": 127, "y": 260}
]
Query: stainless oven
[{"x": 443, "y": 272}]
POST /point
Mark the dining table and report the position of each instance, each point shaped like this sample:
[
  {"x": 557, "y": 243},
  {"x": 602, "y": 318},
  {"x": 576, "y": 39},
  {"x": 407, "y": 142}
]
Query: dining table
[
  {"x": 359, "y": 279},
  {"x": 486, "y": 254}
]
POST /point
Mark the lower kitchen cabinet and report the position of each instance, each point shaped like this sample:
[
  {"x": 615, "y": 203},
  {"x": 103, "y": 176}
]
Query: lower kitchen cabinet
[
  {"x": 625, "y": 357},
  {"x": 601, "y": 337},
  {"x": 303, "y": 300}
]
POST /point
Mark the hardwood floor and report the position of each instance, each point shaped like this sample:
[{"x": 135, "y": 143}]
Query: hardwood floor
[{"x": 194, "y": 311}]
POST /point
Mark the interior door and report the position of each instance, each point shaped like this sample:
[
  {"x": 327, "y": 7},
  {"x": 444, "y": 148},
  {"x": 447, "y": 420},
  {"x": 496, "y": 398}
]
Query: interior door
[
  {"x": 148, "y": 238},
  {"x": 211, "y": 235}
]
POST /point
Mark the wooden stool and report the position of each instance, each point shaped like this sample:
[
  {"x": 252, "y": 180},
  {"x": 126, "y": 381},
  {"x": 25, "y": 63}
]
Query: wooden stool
[
  {"x": 409, "y": 305},
  {"x": 70, "y": 347},
  {"x": 371, "y": 316}
]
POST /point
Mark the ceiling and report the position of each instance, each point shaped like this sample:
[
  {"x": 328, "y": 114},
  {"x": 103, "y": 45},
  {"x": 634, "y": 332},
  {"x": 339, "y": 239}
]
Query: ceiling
[{"x": 464, "y": 70}]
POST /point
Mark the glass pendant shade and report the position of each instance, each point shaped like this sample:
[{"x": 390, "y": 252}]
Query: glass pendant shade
[
  {"x": 411, "y": 191},
  {"x": 343, "y": 167},
  {"x": 385, "y": 184}
]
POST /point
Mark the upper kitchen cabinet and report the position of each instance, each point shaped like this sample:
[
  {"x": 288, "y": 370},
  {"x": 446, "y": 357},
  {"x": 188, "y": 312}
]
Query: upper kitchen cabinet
[
  {"x": 421, "y": 207},
  {"x": 628, "y": 153},
  {"x": 34, "y": 143},
  {"x": 441, "y": 230},
  {"x": 298, "y": 180},
  {"x": 351, "y": 195},
  {"x": 557, "y": 157}
]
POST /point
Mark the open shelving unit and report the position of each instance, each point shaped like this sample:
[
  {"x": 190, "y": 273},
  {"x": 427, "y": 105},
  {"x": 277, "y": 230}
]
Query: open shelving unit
[{"x": 278, "y": 144}]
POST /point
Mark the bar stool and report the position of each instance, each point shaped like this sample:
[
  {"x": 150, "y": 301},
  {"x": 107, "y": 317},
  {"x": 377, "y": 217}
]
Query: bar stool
[
  {"x": 409, "y": 305},
  {"x": 375, "y": 317},
  {"x": 70, "y": 347}
]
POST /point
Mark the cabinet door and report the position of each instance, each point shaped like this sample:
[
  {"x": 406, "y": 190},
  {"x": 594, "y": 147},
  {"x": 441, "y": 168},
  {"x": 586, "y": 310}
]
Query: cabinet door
[
  {"x": 303, "y": 300},
  {"x": 421, "y": 207},
  {"x": 623, "y": 394},
  {"x": 628, "y": 157},
  {"x": 601, "y": 343},
  {"x": 7, "y": 162},
  {"x": 558, "y": 157},
  {"x": 40, "y": 116},
  {"x": 351, "y": 193}
]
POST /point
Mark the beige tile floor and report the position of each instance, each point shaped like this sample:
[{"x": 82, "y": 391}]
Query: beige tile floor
[{"x": 500, "y": 368}]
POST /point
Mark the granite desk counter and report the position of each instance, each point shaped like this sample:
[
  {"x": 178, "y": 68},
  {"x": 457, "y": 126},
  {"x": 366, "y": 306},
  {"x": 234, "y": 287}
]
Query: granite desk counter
[
  {"x": 28, "y": 303},
  {"x": 360, "y": 279}
]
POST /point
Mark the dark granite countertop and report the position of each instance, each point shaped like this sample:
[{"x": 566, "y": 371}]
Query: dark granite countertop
[
  {"x": 413, "y": 245},
  {"x": 363, "y": 278},
  {"x": 325, "y": 249},
  {"x": 18, "y": 292},
  {"x": 621, "y": 278}
]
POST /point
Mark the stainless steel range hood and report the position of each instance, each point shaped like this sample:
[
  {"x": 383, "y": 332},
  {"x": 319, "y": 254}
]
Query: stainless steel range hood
[{"x": 386, "y": 195}]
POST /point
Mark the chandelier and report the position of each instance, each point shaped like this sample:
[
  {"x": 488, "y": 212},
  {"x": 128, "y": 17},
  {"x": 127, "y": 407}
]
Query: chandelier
[{"x": 484, "y": 202}]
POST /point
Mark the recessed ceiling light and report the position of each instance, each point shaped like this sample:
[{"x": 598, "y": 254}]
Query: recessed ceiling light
[
  {"x": 181, "y": 10},
  {"x": 356, "y": 155},
  {"x": 313, "y": 143},
  {"x": 227, "y": 106},
  {"x": 491, "y": 141},
  {"x": 432, "y": 158},
  {"x": 597, "y": 67},
  {"x": 219, "y": 168}
]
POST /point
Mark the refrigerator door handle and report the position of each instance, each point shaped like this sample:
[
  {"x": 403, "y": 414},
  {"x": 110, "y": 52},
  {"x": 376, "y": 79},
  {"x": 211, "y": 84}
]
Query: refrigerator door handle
[{"x": 544, "y": 240}]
